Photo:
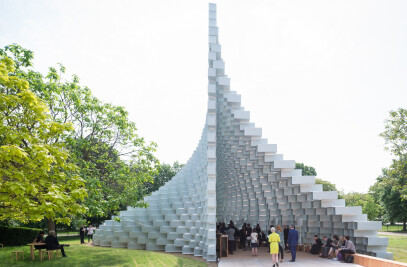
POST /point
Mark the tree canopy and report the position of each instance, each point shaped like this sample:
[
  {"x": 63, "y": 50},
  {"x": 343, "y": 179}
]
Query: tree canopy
[
  {"x": 112, "y": 159},
  {"x": 37, "y": 179},
  {"x": 306, "y": 170}
]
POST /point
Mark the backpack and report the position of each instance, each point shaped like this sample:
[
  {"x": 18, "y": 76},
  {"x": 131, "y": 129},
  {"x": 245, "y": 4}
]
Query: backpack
[
  {"x": 339, "y": 256},
  {"x": 349, "y": 259}
]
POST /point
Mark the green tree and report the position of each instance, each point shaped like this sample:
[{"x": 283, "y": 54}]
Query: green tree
[
  {"x": 37, "y": 180},
  {"x": 366, "y": 201},
  {"x": 112, "y": 158},
  {"x": 395, "y": 133},
  {"x": 388, "y": 187},
  {"x": 393, "y": 181},
  {"x": 306, "y": 170},
  {"x": 326, "y": 186},
  {"x": 165, "y": 173}
]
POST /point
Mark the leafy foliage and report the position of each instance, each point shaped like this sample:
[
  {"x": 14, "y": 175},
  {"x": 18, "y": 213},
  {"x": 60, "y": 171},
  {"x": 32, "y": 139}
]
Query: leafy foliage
[
  {"x": 306, "y": 170},
  {"x": 388, "y": 189},
  {"x": 395, "y": 134},
  {"x": 37, "y": 180},
  {"x": 391, "y": 186},
  {"x": 17, "y": 236},
  {"x": 366, "y": 201},
  {"x": 165, "y": 173},
  {"x": 113, "y": 160}
]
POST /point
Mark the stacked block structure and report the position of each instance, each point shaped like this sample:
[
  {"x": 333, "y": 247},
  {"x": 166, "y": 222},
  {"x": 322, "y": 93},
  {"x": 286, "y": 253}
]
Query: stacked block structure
[{"x": 235, "y": 174}]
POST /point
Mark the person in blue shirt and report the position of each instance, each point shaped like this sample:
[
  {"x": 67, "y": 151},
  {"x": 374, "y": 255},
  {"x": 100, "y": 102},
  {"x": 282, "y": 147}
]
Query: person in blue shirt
[{"x": 292, "y": 242}]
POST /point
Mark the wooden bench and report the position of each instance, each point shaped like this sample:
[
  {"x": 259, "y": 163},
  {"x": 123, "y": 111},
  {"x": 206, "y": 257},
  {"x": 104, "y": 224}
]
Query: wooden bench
[
  {"x": 17, "y": 253},
  {"x": 49, "y": 253},
  {"x": 369, "y": 261}
]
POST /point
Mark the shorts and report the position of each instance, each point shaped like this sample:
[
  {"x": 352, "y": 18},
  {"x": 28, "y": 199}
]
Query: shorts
[{"x": 254, "y": 245}]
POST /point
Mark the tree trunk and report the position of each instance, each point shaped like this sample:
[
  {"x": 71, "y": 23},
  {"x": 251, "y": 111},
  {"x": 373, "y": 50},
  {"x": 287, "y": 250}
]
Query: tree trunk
[
  {"x": 51, "y": 225},
  {"x": 404, "y": 226}
]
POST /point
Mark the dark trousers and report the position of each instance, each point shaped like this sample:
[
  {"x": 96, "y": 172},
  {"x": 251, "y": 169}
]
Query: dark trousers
[
  {"x": 344, "y": 252},
  {"x": 293, "y": 250},
  {"x": 90, "y": 237},
  {"x": 82, "y": 238},
  {"x": 281, "y": 251},
  {"x": 243, "y": 242},
  {"x": 62, "y": 250},
  {"x": 231, "y": 245},
  {"x": 234, "y": 244}
]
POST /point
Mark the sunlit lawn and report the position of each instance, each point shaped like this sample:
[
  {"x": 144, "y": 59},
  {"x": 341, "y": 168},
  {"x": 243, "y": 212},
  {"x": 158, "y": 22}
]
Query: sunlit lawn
[
  {"x": 82, "y": 255},
  {"x": 393, "y": 228},
  {"x": 398, "y": 245}
]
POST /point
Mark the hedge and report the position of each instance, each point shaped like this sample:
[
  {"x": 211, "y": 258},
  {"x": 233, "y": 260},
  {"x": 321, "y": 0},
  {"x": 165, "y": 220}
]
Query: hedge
[{"x": 17, "y": 236}]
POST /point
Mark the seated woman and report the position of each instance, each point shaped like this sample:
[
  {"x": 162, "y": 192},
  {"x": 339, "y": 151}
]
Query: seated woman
[
  {"x": 316, "y": 246},
  {"x": 39, "y": 239},
  {"x": 334, "y": 247}
]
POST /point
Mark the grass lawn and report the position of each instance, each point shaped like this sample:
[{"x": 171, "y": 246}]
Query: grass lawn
[
  {"x": 82, "y": 255},
  {"x": 398, "y": 245},
  {"x": 393, "y": 228}
]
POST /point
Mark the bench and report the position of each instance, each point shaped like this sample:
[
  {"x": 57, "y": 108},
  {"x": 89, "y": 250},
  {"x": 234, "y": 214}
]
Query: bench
[
  {"x": 17, "y": 254},
  {"x": 49, "y": 253},
  {"x": 369, "y": 261}
]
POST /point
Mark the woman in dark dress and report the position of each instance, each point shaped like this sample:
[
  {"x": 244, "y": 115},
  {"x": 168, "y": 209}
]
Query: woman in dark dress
[
  {"x": 39, "y": 239},
  {"x": 316, "y": 247}
]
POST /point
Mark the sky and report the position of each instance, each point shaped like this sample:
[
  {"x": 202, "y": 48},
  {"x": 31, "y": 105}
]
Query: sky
[{"x": 319, "y": 77}]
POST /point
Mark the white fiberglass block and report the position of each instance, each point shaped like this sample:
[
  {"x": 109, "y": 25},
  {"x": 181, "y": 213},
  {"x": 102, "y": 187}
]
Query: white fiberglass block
[
  {"x": 267, "y": 148},
  {"x": 356, "y": 210},
  {"x": 325, "y": 195},
  {"x": 218, "y": 64},
  {"x": 303, "y": 180},
  {"x": 371, "y": 225},
  {"x": 284, "y": 164},
  {"x": 252, "y": 131}
]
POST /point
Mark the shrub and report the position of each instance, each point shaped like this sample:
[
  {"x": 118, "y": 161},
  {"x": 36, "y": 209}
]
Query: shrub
[{"x": 17, "y": 236}]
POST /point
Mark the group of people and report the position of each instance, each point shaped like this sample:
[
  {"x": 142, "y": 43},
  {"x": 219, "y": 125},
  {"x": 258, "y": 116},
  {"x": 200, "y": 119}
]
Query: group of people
[
  {"x": 276, "y": 239},
  {"x": 51, "y": 242},
  {"x": 335, "y": 248},
  {"x": 86, "y": 231}
]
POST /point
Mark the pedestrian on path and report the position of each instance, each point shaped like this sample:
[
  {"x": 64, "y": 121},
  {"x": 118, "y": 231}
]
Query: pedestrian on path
[
  {"x": 292, "y": 242},
  {"x": 82, "y": 234},
  {"x": 274, "y": 240}
]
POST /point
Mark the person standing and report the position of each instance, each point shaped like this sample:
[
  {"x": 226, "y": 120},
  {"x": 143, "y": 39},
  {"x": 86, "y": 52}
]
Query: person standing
[
  {"x": 231, "y": 238},
  {"x": 281, "y": 244},
  {"x": 253, "y": 242},
  {"x": 286, "y": 230},
  {"x": 292, "y": 242},
  {"x": 82, "y": 234},
  {"x": 90, "y": 233},
  {"x": 274, "y": 240},
  {"x": 249, "y": 234},
  {"x": 243, "y": 235}
]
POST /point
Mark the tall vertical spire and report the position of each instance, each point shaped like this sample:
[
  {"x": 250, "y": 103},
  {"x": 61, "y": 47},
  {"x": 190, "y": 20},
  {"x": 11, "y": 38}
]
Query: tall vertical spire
[{"x": 234, "y": 174}]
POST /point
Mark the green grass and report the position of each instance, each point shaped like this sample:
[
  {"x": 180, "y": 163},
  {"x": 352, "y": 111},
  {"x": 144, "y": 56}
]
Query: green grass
[
  {"x": 393, "y": 228},
  {"x": 82, "y": 255},
  {"x": 398, "y": 245}
]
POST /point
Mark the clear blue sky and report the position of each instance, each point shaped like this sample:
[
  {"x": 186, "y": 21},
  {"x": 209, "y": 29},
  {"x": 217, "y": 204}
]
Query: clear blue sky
[{"x": 318, "y": 76}]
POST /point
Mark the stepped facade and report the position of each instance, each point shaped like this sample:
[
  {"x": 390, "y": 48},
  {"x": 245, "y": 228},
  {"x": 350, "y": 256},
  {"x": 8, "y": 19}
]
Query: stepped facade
[{"x": 235, "y": 174}]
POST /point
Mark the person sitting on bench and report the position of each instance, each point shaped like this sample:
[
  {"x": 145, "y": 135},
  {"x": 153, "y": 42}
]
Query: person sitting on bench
[
  {"x": 316, "y": 247},
  {"x": 39, "y": 239},
  {"x": 52, "y": 243},
  {"x": 348, "y": 249}
]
